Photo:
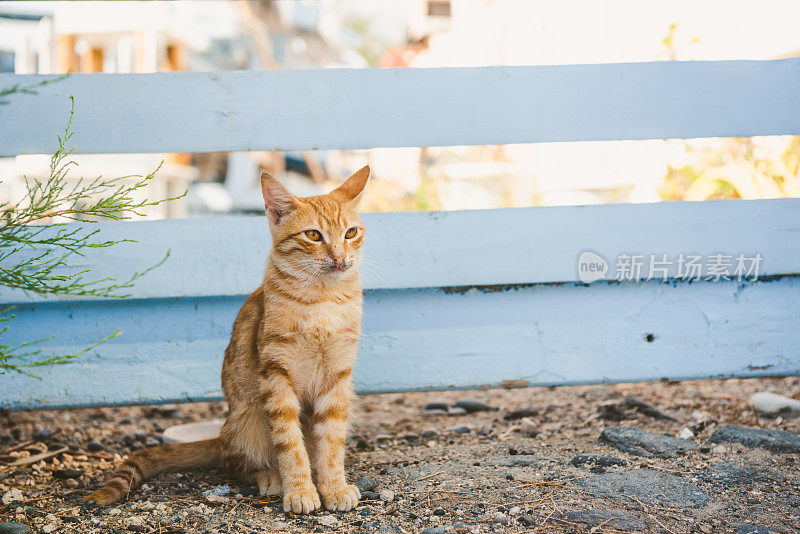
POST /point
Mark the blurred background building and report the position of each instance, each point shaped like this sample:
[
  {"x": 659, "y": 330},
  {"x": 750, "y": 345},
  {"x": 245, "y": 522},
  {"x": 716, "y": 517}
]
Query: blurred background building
[{"x": 121, "y": 37}]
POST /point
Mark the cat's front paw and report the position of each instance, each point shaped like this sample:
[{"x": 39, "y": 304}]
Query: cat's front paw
[
  {"x": 301, "y": 500},
  {"x": 341, "y": 498}
]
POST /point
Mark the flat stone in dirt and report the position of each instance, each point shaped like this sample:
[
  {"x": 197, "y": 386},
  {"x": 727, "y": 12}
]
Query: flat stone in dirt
[
  {"x": 772, "y": 440},
  {"x": 607, "y": 518},
  {"x": 472, "y": 406},
  {"x": 641, "y": 443},
  {"x": 14, "y": 528},
  {"x": 728, "y": 474},
  {"x": 650, "y": 487},
  {"x": 772, "y": 405},
  {"x": 750, "y": 529},
  {"x": 520, "y": 460},
  {"x": 597, "y": 459}
]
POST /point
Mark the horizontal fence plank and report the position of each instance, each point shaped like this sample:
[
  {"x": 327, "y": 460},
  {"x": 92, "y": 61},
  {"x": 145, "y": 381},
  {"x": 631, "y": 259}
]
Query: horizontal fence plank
[
  {"x": 340, "y": 108},
  {"x": 226, "y": 256},
  {"x": 171, "y": 349}
]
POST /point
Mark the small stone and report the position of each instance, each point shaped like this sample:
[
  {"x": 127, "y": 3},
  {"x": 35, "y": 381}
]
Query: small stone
[
  {"x": 370, "y": 495},
  {"x": 528, "y": 427},
  {"x": 329, "y": 521},
  {"x": 597, "y": 459},
  {"x": 607, "y": 518},
  {"x": 65, "y": 474},
  {"x": 218, "y": 491},
  {"x": 514, "y": 510},
  {"x": 460, "y": 430},
  {"x": 49, "y": 527},
  {"x": 440, "y": 512},
  {"x": 437, "y": 405},
  {"x": 772, "y": 405},
  {"x": 365, "y": 484},
  {"x": 641, "y": 443},
  {"x": 72, "y": 483},
  {"x": 526, "y": 521},
  {"x": 473, "y": 406},
  {"x": 151, "y": 442},
  {"x": 519, "y": 414},
  {"x": 434, "y": 530},
  {"x": 14, "y": 528},
  {"x": 12, "y": 495},
  {"x": 429, "y": 433},
  {"x": 685, "y": 434},
  {"x": 383, "y": 438},
  {"x": 42, "y": 434},
  {"x": 719, "y": 449},
  {"x": 456, "y": 410},
  {"x": 705, "y": 528},
  {"x": 387, "y": 495},
  {"x": 216, "y": 499},
  {"x": 94, "y": 446},
  {"x": 366, "y": 511},
  {"x": 500, "y": 518},
  {"x": 411, "y": 436},
  {"x": 134, "y": 520},
  {"x": 772, "y": 440}
]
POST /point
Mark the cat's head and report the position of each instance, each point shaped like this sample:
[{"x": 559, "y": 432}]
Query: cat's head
[{"x": 316, "y": 238}]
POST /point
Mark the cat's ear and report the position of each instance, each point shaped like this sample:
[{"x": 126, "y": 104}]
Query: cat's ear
[
  {"x": 278, "y": 201},
  {"x": 350, "y": 191}
]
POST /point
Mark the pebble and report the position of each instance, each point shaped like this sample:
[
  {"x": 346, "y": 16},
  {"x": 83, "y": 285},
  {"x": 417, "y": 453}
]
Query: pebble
[
  {"x": 370, "y": 495},
  {"x": 719, "y": 449},
  {"x": 411, "y": 436},
  {"x": 500, "y": 518},
  {"x": 65, "y": 474},
  {"x": 772, "y": 405},
  {"x": 641, "y": 443},
  {"x": 387, "y": 495},
  {"x": 216, "y": 499},
  {"x": 685, "y": 434},
  {"x": 607, "y": 518},
  {"x": 597, "y": 459},
  {"x": 42, "y": 434},
  {"x": 456, "y": 410},
  {"x": 772, "y": 440},
  {"x": 519, "y": 414},
  {"x": 460, "y": 430},
  {"x": 329, "y": 521},
  {"x": 365, "y": 484},
  {"x": 435, "y": 412},
  {"x": 49, "y": 527},
  {"x": 473, "y": 406},
  {"x": 14, "y": 528},
  {"x": 218, "y": 491},
  {"x": 514, "y": 510},
  {"x": 528, "y": 427},
  {"x": 94, "y": 446},
  {"x": 12, "y": 495},
  {"x": 434, "y": 530},
  {"x": 429, "y": 433},
  {"x": 526, "y": 521},
  {"x": 750, "y": 529},
  {"x": 437, "y": 405}
]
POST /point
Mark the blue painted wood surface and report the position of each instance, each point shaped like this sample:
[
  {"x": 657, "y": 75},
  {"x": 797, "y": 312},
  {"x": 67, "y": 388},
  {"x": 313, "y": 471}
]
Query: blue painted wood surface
[
  {"x": 341, "y": 108},
  {"x": 171, "y": 349}
]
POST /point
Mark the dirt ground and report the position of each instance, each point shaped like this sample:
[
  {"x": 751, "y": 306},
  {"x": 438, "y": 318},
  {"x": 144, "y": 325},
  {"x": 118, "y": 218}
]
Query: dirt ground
[{"x": 430, "y": 471}]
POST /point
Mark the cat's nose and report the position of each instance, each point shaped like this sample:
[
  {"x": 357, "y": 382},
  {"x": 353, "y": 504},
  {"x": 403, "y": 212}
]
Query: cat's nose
[{"x": 338, "y": 262}]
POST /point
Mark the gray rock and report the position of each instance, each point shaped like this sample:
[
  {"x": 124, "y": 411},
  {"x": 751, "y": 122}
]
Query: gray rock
[
  {"x": 772, "y": 405},
  {"x": 14, "y": 528},
  {"x": 65, "y": 474},
  {"x": 727, "y": 474},
  {"x": 437, "y": 405},
  {"x": 365, "y": 484},
  {"x": 455, "y": 410},
  {"x": 607, "y": 518},
  {"x": 519, "y": 414},
  {"x": 460, "y": 430},
  {"x": 42, "y": 434},
  {"x": 526, "y": 520},
  {"x": 434, "y": 530},
  {"x": 94, "y": 446},
  {"x": 750, "y": 529},
  {"x": 597, "y": 459},
  {"x": 473, "y": 406},
  {"x": 648, "y": 486},
  {"x": 772, "y": 440},
  {"x": 219, "y": 491},
  {"x": 519, "y": 460},
  {"x": 370, "y": 495},
  {"x": 641, "y": 443}
]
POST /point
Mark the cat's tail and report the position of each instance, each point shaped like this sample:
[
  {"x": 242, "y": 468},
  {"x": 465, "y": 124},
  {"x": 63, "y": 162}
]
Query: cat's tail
[{"x": 148, "y": 462}]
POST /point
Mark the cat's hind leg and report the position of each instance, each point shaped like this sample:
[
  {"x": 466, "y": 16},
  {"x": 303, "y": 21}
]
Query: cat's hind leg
[{"x": 269, "y": 482}]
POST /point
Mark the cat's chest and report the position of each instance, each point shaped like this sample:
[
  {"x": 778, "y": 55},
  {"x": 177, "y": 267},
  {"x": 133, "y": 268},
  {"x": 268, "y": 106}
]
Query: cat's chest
[{"x": 325, "y": 318}]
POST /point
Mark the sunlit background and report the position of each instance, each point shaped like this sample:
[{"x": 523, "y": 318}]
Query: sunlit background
[{"x": 121, "y": 37}]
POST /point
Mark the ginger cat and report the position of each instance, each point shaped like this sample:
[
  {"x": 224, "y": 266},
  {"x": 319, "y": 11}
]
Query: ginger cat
[{"x": 288, "y": 367}]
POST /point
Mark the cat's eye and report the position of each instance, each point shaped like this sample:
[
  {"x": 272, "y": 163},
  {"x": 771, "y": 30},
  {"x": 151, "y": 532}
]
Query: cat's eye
[
  {"x": 351, "y": 233},
  {"x": 314, "y": 235}
]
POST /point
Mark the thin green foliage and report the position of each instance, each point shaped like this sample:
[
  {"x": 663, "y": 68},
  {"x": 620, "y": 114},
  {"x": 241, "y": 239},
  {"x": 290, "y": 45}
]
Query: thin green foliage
[{"x": 36, "y": 245}]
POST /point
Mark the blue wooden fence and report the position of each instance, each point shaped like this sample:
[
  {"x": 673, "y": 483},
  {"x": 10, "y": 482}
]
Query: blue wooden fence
[{"x": 453, "y": 300}]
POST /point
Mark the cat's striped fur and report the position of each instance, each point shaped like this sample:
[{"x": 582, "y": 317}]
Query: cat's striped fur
[{"x": 287, "y": 370}]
